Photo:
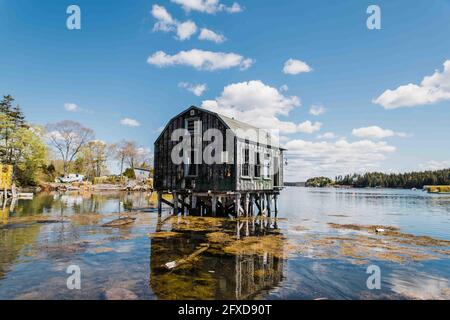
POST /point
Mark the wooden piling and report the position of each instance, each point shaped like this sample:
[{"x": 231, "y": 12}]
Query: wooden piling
[
  {"x": 193, "y": 204},
  {"x": 275, "y": 197},
  {"x": 238, "y": 204},
  {"x": 175, "y": 203},
  {"x": 159, "y": 203},
  {"x": 214, "y": 205}
]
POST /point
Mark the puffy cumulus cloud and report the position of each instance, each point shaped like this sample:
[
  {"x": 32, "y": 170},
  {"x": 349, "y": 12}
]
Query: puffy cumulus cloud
[
  {"x": 165, "y": 22},
  {"x": 327, "y": 135},
  {"x": 317, "y": 110},
  {"x": 207, "y": 6},
  {"x": 260, "y": 105},
  {"x": 307, "y": 159},
  {"x": 200, "y": 59},
  {"x": 293, "y": 66},
  {"x": 196, "y": 89},
  {"x": 71, "y": 107},
  {"x": 432, "y": 89},
  {"x": 435, "y": 165},
  {"x": 284, "y": 88},
  {"x": 206, "y": 34},
  {"x": 130, "y": 122},
  {"x": 309, "y": 127},
  {"x": 375, "y": 132},
  {"x": 186, "y": 29}
]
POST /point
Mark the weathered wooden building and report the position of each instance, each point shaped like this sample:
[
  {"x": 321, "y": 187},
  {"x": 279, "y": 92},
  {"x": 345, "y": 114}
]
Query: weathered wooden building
[{"x": 247, "y": 171}]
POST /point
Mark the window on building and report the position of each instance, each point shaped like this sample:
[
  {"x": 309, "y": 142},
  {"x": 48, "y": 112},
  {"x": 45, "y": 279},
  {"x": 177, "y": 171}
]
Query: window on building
[
  {"x": 246, "y": 162},
  {"x": 257, "y": 164}
]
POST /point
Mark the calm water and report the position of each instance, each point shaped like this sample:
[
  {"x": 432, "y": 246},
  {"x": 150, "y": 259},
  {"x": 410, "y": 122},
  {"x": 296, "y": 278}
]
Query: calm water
[{"x": 298, "y": 256}]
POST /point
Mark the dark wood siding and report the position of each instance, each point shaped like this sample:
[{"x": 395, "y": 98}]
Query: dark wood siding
[
  {"x": 216, "y": 177},
  {"x": 169, "y": 176}
]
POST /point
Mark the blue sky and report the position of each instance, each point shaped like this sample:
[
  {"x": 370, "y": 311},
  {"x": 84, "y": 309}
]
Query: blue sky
[{"x": 103, "y": 69}]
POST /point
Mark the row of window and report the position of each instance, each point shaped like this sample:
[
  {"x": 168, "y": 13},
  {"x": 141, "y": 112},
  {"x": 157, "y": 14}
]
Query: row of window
[{"x": 260, "y": 168}]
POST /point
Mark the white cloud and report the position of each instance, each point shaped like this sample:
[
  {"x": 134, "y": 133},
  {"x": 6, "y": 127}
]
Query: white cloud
[
  {"x": 327, "y": 135},
  {"x": 206, "y": 34},
  {"x": 309, "y": 127},
  {"x": 293, "y": 66},
  {"x": 260, "y": 105},
  {"x": 207, "y": 6},
  {"x": 264, "y": 106},
  {"x": 432, "y": 89},
  {"x": 186, "y": 29},
  {"x": 317, "y": 110},
  {"x": 235, "y": 8},
  {"x": 130, "y": 122},
  {"x": 201, "y": 60},
  {"x": 435, "y": 165},
  {"x": 196, "y": 89},
  {"x": 284, "y": 88},
  {"x": 71, "y": 107},
  {"x": 165, "y": 22},
  {"x": 375, "y": 132},
  {"x": 308, "y": 159}
]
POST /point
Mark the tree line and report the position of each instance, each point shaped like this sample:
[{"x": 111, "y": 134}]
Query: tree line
[
  {"x": 41, "y": 153},
  {"x": 407, "y": 180},
  {"x": 396, "y": 180}
]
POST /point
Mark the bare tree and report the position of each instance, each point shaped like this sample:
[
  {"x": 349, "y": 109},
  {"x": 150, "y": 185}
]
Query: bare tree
[
  {"x": 128, "y": 152},
  {"x": 68, "y": 137},
  {"x": 132, "y": 153},
  {"x": 92, "y": 158},
  {"x": 118, "y": 152}
]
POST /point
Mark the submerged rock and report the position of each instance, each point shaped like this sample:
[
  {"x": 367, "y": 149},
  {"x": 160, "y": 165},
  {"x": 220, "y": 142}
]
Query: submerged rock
[
  {"x": 119, "y": 222},
  {"x": 50, "y": 221},
  {"x": 120, "y": 294},
  {"x": 394, "y": 234}
]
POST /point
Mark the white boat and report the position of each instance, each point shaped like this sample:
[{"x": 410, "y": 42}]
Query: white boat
[{"x": 73, "y": 177}]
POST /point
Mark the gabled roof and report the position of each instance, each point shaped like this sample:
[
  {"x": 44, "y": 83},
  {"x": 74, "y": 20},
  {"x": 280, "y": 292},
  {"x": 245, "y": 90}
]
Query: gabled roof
[{"x": 238, "y": 127}]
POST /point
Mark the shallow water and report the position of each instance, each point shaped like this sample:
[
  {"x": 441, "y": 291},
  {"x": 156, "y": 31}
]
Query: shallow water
[{"x": 297, "y": 256}]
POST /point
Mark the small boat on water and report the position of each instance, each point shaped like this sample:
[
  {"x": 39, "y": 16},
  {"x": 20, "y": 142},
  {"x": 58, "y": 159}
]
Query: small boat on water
[{"x": 437, "y": 189}]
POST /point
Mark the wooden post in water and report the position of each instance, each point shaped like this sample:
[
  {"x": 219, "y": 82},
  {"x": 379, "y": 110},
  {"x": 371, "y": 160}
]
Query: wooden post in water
[
  {"x": 193, "y": 204},
  {"x": 159, "y": 203},
  {"x": 258, "y": 203},
  {"x": 262, "y": 197},
  {"x": 238, "y": 204},
  {"x": 275, "y": 197},
  {"x": 175, "y": 203},
  {"x": 184, "y": 207},
  {"x": 214, "y": 205},
  {"x": 269, "y": 200},
  {"x": 246, "y": 204}
]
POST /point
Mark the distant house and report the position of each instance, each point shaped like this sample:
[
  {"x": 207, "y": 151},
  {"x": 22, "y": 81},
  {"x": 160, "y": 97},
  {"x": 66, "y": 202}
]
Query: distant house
[
  {"x": 72, "y": 177},
  {"x": 142, "y": 174},
  {"x": 251, "y": 168}
]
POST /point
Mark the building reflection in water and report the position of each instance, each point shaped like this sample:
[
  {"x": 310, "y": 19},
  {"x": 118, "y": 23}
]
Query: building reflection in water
[{"x": 215, "y": 274}]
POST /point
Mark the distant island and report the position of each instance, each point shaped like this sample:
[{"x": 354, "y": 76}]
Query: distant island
[{"x": 407, "y": 180}]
